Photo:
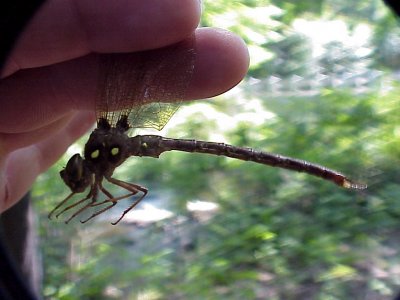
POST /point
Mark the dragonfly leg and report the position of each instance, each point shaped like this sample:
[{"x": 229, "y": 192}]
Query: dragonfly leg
[
  {"x": 112, "y": 202},
  {"x": 110, "y": 199},
  {"x": 60, "y": 204},
  {"x": 134, "y": 188},
  {"x": 129, "y": 208},
  {"x": 70, "y": 206},
  {"x": 91, "y": 195},
  {"x": 105, "y": 192},
  {"x": 79, "y": 210},
  {"x": 101, "y": 210}
]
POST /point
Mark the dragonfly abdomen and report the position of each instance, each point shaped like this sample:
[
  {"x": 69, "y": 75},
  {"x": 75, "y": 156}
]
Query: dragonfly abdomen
[{"x": 153, "y": 145}]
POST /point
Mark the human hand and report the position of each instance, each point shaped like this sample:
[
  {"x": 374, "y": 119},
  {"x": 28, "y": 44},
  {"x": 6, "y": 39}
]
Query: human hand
[{"x": 48, "y": 86}]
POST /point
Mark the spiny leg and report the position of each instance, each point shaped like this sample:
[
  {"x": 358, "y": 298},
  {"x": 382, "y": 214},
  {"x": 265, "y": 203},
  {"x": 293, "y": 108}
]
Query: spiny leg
[
  {"x": 92, "y": 194},
  {"x": 79, "y": 210},
  {"x": 113, "y": 201},
  {"x": 73, "y": 205},
  {"x": 129, "y": 208},
  {"x": 110, "y": 199},
  {"x": 130, "y": 187},
  {"x": 60, "y": 204},
  {"x": 68, "y": 207},
  {"x": 105, "y": 192}
]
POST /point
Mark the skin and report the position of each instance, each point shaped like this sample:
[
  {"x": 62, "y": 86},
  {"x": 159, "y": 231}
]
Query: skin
[{"x": 48, "y": 85}]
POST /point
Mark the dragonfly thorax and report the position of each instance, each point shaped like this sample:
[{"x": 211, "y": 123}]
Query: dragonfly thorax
[{"x": 107, "y": 148}]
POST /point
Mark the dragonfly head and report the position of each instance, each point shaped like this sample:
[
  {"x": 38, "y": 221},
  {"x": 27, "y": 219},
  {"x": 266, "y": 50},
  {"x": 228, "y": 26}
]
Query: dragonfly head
[{"x": 76, "y": 174}]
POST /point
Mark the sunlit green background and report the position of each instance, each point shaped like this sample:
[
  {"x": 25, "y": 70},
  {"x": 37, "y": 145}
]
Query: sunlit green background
[{"x": 323, "y": 86}]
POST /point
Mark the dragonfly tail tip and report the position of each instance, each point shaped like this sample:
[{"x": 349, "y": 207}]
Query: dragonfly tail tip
[{"x": 353, "y": 185}]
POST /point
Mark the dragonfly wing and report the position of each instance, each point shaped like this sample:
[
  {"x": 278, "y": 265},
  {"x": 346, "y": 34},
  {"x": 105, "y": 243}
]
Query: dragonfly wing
[
  {"x": 153, "y": 115},
  {"x": 146, "y": 86}
]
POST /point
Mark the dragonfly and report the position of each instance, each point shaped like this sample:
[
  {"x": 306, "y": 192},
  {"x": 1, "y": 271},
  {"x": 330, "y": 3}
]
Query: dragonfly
[{"x": 144, "y": 90}]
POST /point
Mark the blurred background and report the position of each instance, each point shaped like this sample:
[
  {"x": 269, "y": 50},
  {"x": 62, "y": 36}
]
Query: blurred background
[{"x": 323, "y": 86}]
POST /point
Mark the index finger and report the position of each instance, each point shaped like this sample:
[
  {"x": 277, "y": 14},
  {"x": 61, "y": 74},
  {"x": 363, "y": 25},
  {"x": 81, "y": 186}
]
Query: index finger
[
  {"x": 67, "y": 29},
  {"x": 38, "y": 97}
]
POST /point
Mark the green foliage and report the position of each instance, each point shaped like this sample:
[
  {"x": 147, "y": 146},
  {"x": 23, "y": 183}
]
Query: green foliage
[{"x": 276, "y": 234}]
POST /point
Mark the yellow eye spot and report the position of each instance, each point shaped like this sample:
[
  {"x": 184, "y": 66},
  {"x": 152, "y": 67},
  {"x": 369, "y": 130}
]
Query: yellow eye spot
[
  {"x": 144, "y": 145},
  {"x": 114, "y": 151},
  {"x": 95, "y": 154}
]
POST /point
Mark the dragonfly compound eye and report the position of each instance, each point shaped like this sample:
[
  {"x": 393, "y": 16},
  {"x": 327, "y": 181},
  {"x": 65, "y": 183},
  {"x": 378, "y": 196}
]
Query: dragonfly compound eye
[{"x": 76, "y": 175}]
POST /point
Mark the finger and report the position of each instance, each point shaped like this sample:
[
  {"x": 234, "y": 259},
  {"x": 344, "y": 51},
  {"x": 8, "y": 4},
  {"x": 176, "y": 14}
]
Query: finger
[
  {"x": 65, "y": 29},
  {"x": 222, "y": 60},
  {"x": 18, "y": 178},
  {"x": 12, "y": 141},
  {"x": 35, "y": 98}
]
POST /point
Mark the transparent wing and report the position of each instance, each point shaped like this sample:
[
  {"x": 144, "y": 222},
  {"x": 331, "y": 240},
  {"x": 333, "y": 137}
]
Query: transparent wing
[{"x": 146, "y": 86}]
